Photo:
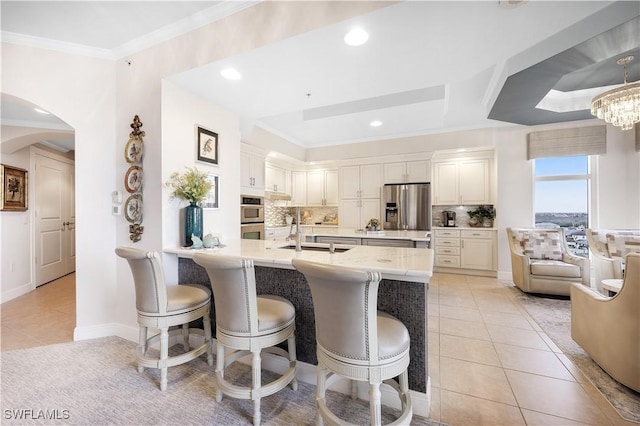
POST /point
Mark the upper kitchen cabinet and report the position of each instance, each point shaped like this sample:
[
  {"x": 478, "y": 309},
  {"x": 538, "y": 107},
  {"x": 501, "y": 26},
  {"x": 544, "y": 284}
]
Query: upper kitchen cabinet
[
  {"x": 462, "y": 181},
  {"x": 407, "y": 172},
  {"x": 298, "y": 188},
  {"x": 360, "y": 181},
  {"x": 322, "y": 188},
  {"x": 277, "y": 179},
  {"x": 252, "y": 171}
]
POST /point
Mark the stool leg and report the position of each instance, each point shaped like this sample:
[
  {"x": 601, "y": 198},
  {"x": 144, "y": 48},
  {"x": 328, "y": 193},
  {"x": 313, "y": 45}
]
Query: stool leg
[
  {"x": 320, "y": 391},
  {"x": 219, "y": 369},
  {"x": 185, "y": 337},
  {"x": 255, "y": 391},
  {"x": 291, "y": 342},
  {"x": 164, "y": 356},
  {"x": 404, "y": 388},
  {"x": 354, "y": 389},
  {"x": 142, "y": 346},
  {"x": 207, "y": 337},
  {"x": 374, "y": 404}
]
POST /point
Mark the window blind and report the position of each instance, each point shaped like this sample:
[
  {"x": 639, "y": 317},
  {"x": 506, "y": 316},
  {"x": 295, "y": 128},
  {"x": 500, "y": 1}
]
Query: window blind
[{"x": 567, "y": 142}]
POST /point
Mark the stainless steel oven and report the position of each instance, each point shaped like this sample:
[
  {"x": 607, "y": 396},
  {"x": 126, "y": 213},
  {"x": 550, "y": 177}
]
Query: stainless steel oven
[
  {"x": 251, "y": 209},
  {"x": 252, "y": 231}
]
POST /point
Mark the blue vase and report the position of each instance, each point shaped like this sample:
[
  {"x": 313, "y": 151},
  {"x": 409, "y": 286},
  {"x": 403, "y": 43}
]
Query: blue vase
[{"x": 192, "y": 224}]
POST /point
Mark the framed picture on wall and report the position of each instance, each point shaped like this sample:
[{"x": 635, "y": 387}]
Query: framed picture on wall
[
  {"x": 213, "y": 197},
  {"x": 14, "y": 188},
  {"x": 207, "y": 146}
]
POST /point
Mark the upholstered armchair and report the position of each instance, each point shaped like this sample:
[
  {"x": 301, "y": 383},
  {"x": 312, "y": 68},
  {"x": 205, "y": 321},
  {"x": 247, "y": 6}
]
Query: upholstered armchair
[
  {"x": 608, "y": 248},
  {"x": 608, "y": 328},
  {"x": 542, "y": 263}
]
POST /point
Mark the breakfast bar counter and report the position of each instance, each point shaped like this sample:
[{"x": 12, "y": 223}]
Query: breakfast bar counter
[{"x": 402, "y": 292}]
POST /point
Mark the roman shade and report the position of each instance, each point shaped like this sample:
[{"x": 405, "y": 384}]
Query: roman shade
[{"x": 567, "y": 142}]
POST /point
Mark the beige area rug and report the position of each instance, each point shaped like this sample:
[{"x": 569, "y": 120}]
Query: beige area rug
[
  {"x": 95, "y": 382},
  {"x": 553, "y": 315}
]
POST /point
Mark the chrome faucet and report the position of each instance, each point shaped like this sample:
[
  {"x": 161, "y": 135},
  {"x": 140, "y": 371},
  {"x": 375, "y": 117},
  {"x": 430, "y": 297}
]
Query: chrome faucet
[{"x": 298, "y": 235}]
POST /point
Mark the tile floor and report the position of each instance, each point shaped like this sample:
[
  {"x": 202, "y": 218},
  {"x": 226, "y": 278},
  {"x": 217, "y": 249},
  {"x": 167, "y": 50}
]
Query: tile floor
[
  {"x": 44, "y": 316},
  {"x": 490, "y": 364}
]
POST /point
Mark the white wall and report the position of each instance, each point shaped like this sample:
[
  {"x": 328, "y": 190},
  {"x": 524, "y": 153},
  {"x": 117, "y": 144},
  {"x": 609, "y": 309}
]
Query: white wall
[
  {"x": 15, "y": 237},
  {"x": 181, "y": 113}
]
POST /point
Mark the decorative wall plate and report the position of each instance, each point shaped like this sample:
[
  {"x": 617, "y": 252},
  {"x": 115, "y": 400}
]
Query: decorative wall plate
[
  {"x": 133, "y": 150},
  {"x": 133, "y": 208},
  {"x": 133, "y": 179}
]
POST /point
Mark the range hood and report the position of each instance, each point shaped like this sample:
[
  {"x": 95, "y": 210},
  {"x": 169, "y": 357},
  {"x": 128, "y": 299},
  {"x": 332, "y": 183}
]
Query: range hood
[{"x": 275, "y": 196}]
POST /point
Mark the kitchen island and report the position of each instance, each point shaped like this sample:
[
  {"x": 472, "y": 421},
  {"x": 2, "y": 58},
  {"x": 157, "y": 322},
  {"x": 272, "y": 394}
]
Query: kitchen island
[{"x": 402, "y": 292}]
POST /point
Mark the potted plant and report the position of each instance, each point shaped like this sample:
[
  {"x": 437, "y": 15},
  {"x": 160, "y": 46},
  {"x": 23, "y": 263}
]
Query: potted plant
[
  {"x": 191, "y": 186},
  {"x": 373, "y": 225},
  {"x": 482, "y": 215}
]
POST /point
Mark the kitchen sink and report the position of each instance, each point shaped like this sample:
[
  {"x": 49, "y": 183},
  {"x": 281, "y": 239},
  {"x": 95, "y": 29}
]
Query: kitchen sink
[{"x": 316, "y": 248}]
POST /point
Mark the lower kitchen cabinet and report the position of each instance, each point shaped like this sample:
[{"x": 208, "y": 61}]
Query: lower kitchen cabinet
[{"x": 467, "y": 249}]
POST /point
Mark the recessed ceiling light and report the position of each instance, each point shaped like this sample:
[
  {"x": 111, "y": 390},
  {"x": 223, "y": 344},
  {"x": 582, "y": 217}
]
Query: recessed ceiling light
[
  {"x": 356, "y": 37},
  {"x": 41, "y": 111},
  {"x": 376, "y": 123},
  {"x": 231, "y": 74}
]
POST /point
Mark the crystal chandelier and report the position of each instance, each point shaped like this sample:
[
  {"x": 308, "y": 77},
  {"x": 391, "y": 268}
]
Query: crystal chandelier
[{"x": 621, "y": 106}]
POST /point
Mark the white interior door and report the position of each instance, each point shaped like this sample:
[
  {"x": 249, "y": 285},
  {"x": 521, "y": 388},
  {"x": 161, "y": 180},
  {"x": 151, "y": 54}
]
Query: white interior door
[{"x": 54, "y": 219}]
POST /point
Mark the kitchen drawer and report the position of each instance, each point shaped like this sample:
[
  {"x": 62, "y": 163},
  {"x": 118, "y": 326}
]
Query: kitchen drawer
[
  {"x": 387, "y": 242},
  {"x": 339, "y": 240},
  {"x": 451, "y": 251},
  {"x": 454, "y": 233},
  {"x": 448, "y": 261},
  {"x": 468, "y": 233},
  {"x": 447, "y": 242}
]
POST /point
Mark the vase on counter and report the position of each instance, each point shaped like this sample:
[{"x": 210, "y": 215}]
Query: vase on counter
[
  {"x": 487, "y": 223},
  {"x": 192, "y": 223}
]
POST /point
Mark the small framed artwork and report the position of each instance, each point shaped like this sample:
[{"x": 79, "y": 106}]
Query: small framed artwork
[
  {"x": 207, "y": 146},
  {"x": 14, "y": 189},
  {"x": 213, "y": 197}
]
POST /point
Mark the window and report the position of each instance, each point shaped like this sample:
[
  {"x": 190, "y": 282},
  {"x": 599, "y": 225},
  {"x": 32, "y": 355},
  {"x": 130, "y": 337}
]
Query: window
[{"x": 562, "y": 198}]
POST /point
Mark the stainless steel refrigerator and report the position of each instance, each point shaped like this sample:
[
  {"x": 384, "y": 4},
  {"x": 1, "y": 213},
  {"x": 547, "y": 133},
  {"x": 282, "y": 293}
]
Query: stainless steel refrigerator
[{"x": 407, "y": 206}]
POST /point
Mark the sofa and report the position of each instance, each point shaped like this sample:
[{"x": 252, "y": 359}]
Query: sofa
[{"x": 542, "y": 263}]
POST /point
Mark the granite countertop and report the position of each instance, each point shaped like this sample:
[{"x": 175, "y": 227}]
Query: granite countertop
[
  {"x": 302, "y": 225},
  {"x": 403, "y": 264}
]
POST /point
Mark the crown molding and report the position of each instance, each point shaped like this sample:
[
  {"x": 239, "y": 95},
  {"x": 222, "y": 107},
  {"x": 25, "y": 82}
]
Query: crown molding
[{"x": 205, "y": 17}]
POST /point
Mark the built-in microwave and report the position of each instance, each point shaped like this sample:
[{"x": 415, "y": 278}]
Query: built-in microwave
[{"x": 251, "y": 209}]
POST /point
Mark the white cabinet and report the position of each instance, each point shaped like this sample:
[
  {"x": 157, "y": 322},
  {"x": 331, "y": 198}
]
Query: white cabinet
[
  {"x": 465, "y": 249},
  {"x": 360, "y": 181},
  {"x": 356, "y": 213},
  {"x": 277, "y": 234},
  {"x": 322, "y": 188},
  {"x": 251, "y": 174},
  {"x": 276, "y": 179},
  {"x": 360, "y": 195},
  {"x": 477, "y": 249},
  {"x": 404, "y": 172},
  {"x": 298, "y": 188},
  {"x": 461, "y": 182}
]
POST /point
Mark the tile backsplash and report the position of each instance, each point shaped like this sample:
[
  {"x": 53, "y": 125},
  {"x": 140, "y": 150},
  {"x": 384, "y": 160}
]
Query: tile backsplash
[
  {"x": 275, "y": 215},
  {"x": 462, "y": 218}
]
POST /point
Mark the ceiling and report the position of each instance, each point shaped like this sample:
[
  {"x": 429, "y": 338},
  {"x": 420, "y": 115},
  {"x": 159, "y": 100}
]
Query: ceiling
[{"x": 428, "y": 67}]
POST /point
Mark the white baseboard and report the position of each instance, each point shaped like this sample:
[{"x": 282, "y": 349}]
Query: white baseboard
[
  {"x": 505, "y": 275},
  {"x": 304, "y": 372},
  {"x": 105, "y": 330},
  {"x": 16, "y": 292}
]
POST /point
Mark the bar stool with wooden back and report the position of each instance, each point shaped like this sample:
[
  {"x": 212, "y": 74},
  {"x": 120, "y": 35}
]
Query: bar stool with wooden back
[
  {"x": 354, "y": 340},
  {"x": 248, "y": 324},
  {"x": 162, "y": 307}
]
